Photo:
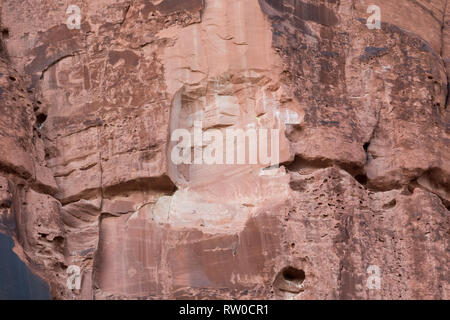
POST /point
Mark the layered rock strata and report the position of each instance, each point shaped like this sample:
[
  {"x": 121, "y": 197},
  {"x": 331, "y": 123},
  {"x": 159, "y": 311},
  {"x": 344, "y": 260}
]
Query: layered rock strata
[{"x": 87, "y": 178}]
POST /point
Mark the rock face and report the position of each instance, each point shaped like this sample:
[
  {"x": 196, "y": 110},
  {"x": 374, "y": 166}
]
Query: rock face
[{"x": 357, "y": 209}]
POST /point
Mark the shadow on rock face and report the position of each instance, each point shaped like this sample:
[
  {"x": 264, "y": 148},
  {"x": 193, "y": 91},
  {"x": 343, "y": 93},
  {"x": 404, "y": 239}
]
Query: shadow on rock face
[
  {"x": 299, "y": 11},
  {"x": 16, "y": 280}
]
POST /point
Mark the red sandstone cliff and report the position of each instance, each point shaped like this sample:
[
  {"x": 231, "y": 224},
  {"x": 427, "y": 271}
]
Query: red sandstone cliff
[{"x": 86, "y": 177}]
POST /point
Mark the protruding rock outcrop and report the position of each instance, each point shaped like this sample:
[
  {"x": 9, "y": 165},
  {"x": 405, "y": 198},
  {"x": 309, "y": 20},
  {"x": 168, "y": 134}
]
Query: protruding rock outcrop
[{"x": 361, "y": 186}]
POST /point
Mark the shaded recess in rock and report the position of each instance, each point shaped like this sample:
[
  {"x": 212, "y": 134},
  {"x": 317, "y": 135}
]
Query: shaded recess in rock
[
  {"x": 163, "y": 184},
  {"x": 290, "y": 279},
  {"x": 299, "y": 10}
]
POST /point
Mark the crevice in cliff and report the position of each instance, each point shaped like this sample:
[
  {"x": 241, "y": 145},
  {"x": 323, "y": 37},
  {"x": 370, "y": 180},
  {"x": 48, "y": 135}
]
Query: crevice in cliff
[
  {"x": 443, "y": 24},
  {"x": 447, "y": 97},
  {"x": 100, "y": 164},
  {"x": 101, "y": 180},
  {"x": 86, "y": 194},
  {"x": 444, "y": 31},
  {"x": 305, "y": 166},
  {"x": 127, "y": 9},
  {"x": 7, "y": 169},
  {"x": 161, "y": 184},
  {"x": 372, "y": 135},
  {"x": 54, "y": 63},
  {"x": 40, "y": 119},
  {"x": 100, "y": 217},
  {"x": 87, "y": 125},
  {"x": 414, "y": 183},
  {"x": 425, "y": 9},
  {"x": 96, "y": 258}
]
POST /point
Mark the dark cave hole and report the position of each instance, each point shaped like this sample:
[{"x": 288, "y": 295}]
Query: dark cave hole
[
  {"x": 40, "y": 119},
  {"x": 292, "y": 274},
  {"x": 361, "y": 178},
  {"x": 366, "y": 146}
]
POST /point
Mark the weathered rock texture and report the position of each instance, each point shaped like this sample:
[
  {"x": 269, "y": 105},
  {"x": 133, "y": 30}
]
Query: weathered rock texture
[{"x": 85, "y": 171}]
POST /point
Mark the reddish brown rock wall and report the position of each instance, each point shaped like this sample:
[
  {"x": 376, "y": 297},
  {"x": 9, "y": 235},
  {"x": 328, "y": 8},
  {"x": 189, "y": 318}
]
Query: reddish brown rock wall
[{"x": 86, "y": 177}]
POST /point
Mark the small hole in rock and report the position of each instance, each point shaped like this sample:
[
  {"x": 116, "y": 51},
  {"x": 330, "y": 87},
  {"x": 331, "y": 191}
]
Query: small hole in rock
[
  {"x": 40, "y": 119},
  {"x": 5, "y": 33},
  {"x": 361, "y": 178},
  {"x": 294, "y": 275},
  {"x": 390, "y": 204},
  {"x": 289, "y": 280},
  {"x": 366, "y": 146}
]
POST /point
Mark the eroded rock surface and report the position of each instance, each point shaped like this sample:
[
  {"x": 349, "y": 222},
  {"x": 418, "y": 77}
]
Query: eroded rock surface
[{"x": 86, "y": 176}]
